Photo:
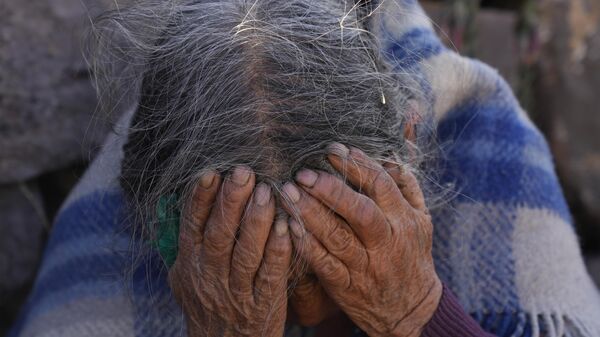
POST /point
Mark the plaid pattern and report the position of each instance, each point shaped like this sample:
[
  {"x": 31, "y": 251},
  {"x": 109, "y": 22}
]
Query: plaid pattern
[{"x": 505, "y": 244}]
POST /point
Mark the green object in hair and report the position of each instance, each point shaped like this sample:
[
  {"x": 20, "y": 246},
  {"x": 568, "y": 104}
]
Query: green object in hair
[{"x": 167, "y": 234}]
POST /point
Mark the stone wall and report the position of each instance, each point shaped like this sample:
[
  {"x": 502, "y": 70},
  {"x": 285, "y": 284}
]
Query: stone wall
[{"x": 48, "y": 124}]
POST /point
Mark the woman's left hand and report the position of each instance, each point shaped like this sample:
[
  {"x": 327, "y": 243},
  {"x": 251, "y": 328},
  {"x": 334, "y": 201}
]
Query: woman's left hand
[{"x": 371, "y": 250}]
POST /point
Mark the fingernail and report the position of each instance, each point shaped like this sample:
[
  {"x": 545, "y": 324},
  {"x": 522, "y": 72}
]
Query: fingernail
[
  {"x": 207, "y": 179},
  {"x": 281, "y": 227},
  {"x": 262, "y": 194},
  {"x": 240, "y": 175},
  {"x": 338, "y": 149},
  {"x": 307, "y": 178},
  {"x": 292, "y": 192},
  {"x": 296, "y": 228}
]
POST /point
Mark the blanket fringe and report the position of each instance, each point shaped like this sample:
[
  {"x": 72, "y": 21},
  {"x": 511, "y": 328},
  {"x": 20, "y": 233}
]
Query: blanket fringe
[{"x": 520, "y": 324}]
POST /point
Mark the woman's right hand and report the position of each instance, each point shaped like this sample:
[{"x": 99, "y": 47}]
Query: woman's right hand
[{"x": 232, "y": 285}]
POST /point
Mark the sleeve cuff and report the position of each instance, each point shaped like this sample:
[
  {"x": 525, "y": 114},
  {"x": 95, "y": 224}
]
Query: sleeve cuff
[{"x": 450, "y": 320}]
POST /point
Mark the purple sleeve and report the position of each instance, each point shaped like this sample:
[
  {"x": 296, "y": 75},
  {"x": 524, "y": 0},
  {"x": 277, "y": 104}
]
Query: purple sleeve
[{"x": 450, "y": 320}]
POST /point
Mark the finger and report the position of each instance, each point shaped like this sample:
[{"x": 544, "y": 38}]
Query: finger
[
  {"x": 310, "y": 302},
  {"x": 196, "y": 213},
  {"x": 225, "y": 216},
  {"x": 408, "y": 184},
  {"x": 332, "y": 273},
  {"x": 271, "y": 279},
  {"x": 325, "y": 225},
  {"x": 254, "y": 232},
  {"x": 360, "y": 212},
  {"x": 368, "y": 176}
]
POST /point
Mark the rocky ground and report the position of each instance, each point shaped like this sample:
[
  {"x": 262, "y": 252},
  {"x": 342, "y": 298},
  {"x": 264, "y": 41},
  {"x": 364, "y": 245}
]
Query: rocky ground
[{"x": 49, "y": 127}]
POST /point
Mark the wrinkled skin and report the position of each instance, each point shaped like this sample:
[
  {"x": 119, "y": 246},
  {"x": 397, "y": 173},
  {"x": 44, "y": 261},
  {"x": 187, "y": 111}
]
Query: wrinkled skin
[
  {"x": 370, "y": 252},
  {"x": 230, "y": 287}
]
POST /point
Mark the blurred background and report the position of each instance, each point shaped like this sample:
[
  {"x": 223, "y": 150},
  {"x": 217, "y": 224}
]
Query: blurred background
[{"x": 548, "y": 50}]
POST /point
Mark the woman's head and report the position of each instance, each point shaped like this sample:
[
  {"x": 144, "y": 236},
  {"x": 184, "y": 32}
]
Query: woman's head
[
  {"x": 262, "y": 83},
  {"x": 266, "y": 84}
]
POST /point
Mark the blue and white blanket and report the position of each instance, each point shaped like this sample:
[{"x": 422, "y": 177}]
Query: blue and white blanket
[{"x": 505, "y": 245}]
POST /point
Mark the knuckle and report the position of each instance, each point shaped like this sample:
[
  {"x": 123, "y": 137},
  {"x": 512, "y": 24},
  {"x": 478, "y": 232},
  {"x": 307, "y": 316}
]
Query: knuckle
[
  {"x": 268, "y": 275},
  {"x": 367, "y": 210},
  {"x": 354, "y": 200},
  {"x": 194, "y": 221},
  {"x": 191, "y": 228},
  {"x": 395, "y": 172},
  {"x": 333, "y": 271},
  {"x": 361, "y": 160},
  {"x": 382, "y": 184},
  {"x": 340, "y": 239},
  {"x": 319, "y": 258},
  {"x": 238, "y": 293},
  {"x": 327, "y": 266},
  {"x": 268, "y": 279},
  {"x": 277, "y": 255},
  {"x": 214, "y": 241}
]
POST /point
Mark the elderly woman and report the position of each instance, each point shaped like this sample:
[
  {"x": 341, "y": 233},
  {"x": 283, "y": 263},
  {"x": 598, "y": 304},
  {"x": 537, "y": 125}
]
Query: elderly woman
[{"x": 272, "y": 160}]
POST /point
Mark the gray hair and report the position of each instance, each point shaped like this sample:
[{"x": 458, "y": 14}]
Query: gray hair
[{"x": 263, "y": 83}]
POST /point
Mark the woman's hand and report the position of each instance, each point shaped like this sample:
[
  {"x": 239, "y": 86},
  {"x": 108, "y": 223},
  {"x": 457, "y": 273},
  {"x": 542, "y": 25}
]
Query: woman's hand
[
  {"x": 310, "y": 303},
  {"x": 372, "y": 250},
  {"x": 228, "y": 285}
]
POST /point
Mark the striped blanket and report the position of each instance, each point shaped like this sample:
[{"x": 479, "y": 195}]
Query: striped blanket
[{"x": 505, "y": 244}]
